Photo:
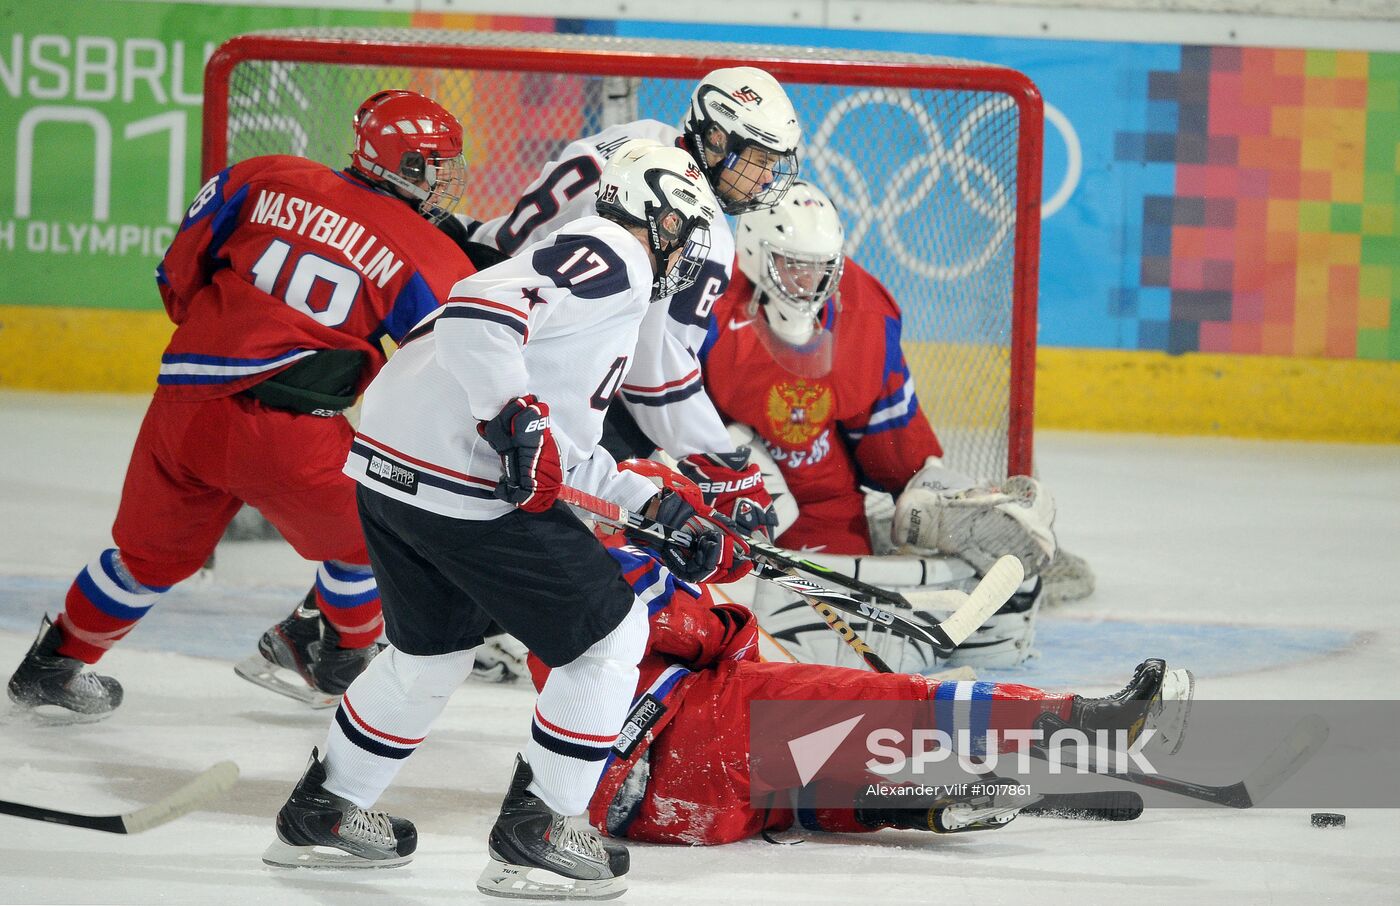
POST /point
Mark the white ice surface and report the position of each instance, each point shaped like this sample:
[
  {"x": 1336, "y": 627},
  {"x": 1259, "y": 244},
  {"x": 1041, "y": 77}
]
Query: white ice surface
[{"x": 1266, "y": 567}]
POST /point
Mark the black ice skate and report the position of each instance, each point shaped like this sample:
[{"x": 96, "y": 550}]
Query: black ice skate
[
  {"x": 1155, "y": 697},
  {"x": 308, "y": 645},
  {"x": 317, "y": 829},
  {"x": 539, "y": 854},
  {"x": 55, "y": 687}
]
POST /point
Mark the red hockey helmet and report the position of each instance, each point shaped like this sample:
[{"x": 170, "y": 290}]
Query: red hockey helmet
[{"x": 410, "y": 145}]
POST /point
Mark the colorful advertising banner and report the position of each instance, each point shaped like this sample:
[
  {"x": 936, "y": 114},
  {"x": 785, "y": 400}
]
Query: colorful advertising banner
[
  {"x": 99, "y": 138},
  {"x": 1197, "y": 199},
  {"x": 1234, "y": 204}
]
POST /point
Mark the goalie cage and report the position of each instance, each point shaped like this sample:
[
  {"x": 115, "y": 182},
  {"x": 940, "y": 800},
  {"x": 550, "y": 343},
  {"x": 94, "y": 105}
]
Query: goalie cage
[{"x": 934, "y": 163}]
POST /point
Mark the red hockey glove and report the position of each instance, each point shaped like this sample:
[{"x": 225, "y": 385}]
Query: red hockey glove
[
  {"x": 529, "y": 456},
  {"x": 733, "y": 486},
  {"x": 699, "y": 634}
]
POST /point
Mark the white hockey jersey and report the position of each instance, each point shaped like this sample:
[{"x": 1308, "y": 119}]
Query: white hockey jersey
[
  {"x": 664, "y": 391},
  {"x": 560, "y": 320}
]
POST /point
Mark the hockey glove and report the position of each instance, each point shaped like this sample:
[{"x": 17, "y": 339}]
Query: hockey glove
[
  {"x": 733, "y": 486},
  {"x": 716, "y": 553},
  {"x": 529, "y": 457}
]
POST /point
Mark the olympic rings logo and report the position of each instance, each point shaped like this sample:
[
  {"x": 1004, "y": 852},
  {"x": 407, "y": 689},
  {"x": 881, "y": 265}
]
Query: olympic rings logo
[{"x": 984, "y": 189}]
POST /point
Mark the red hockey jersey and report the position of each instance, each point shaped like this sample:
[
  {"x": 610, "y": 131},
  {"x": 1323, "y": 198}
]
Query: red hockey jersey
[
  {"x": 860, "y": 422},
  {"x": 280, "y": 256}
]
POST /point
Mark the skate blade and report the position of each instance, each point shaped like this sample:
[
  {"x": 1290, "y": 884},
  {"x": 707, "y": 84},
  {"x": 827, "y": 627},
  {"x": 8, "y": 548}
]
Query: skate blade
[
  {"x": 502, "y": 879},
  {"x": 285, "y": 855},
  {"x": 51, "y": 716},
  {"x": 1178, "y": 690},
  {"x": 259, "y": 671}
]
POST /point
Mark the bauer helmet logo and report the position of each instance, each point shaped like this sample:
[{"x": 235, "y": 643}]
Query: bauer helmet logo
[{"x": 748, "y": 96}]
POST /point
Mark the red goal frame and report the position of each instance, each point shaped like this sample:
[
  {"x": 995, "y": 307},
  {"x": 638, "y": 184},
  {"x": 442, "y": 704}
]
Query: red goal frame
[{"x": 836, "y": 71}]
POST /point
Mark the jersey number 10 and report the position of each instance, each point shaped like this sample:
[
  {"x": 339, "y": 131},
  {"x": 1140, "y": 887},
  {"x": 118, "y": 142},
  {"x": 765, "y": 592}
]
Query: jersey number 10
[{"x": 344, "y": 283}]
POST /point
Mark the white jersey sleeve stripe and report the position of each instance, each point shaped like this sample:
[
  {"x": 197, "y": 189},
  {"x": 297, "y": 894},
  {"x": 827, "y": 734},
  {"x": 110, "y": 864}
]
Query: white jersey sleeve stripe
[
  {"x": 669, "y": 385},
  {"x": 484, "y": 310}
]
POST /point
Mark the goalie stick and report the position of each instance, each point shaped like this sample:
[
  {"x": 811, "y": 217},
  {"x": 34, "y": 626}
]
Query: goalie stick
[
  {"x": 212, "y": 782},
  {"x": 996, "y": 587}
]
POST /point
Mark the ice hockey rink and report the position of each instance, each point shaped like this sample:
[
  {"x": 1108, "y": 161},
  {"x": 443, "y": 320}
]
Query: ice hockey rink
[{"x": 1266, "y": 567}]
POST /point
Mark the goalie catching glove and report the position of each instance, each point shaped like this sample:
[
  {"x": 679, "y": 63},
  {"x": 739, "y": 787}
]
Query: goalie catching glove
[
  {"x": 733, "y": 486},
  {"x": 529, "y": 456},
  {"x": 944, "y": 511}
]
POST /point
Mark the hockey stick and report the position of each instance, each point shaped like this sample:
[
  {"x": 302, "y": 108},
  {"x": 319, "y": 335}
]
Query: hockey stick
[
  {"x": 215, "y": 780},
  {"x": 640, "y": 527},
  {"x": 785, "y": 559},
  {"x": 843, "y": 629},
  {"x": 1301, "y": 744},
  {"x": 996, "y": 587},
  {"x": 1118, "y": 805}
]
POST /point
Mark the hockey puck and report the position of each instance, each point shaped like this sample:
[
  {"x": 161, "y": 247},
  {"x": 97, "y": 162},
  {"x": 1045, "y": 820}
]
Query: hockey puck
[{"x": 1328, "y": 819}]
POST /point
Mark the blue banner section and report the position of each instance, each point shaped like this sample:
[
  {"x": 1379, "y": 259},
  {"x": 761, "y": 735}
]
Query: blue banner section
[{"x": 1092, "y": 231}]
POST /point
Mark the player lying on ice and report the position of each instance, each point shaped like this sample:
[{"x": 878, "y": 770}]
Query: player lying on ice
[{"x": 680, "y": 772}]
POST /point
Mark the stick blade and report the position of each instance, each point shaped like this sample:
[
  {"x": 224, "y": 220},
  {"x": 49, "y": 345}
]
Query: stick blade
[
  {"x": 995, "y": 589},
  {"x": 213, "y": 782},
  {"x": 1302, "y": 744}
]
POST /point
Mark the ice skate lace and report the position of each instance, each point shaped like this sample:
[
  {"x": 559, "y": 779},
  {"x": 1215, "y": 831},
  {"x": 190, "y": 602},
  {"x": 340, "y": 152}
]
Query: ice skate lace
[
  {"x": 566, "y": 837},
  {"x": 368, "y": 827},
  {"x": 87, "y": 685}
]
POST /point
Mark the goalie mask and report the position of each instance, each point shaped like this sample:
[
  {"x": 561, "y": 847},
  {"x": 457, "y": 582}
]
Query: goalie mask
[
  {"x": 410, "y": 146},
  {"x": 793, "y": 255},
  {"x": 662, "y": 190},
  {"x": 744, "y": 130}
]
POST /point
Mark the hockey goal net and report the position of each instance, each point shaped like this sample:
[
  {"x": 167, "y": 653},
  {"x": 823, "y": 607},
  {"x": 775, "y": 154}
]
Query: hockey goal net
[{"x": 934, "y": 163}]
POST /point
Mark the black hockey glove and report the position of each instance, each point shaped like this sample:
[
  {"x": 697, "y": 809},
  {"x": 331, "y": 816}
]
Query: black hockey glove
[
  {"x": 529, "y": 457},
  {"x": 716, "y": 552}
]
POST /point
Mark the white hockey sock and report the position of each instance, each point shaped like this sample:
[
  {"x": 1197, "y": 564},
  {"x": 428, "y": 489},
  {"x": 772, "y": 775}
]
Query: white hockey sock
[
  {"x": 384, "y": 716},
  {"x": 579, "y": 712}
]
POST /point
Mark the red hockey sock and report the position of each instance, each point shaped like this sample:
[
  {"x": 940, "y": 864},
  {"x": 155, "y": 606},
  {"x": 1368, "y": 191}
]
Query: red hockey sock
[
  {"x": 349, "y": 600},
  {"x": 103, "y": 604}
]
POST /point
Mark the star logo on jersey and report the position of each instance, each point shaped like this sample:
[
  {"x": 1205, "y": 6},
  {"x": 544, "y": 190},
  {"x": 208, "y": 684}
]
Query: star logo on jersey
[
  {"x": 532, "y": 295},
  {"x": 798, "y": 410}
]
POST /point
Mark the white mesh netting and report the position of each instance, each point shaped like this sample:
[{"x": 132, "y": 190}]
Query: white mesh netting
[{"x": 925, "y": 177}]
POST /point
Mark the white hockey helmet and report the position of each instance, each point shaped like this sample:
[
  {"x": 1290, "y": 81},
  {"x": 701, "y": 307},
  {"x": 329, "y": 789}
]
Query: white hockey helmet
[
  {"x": 741, "y": 119},
  {"x": 793, "y": 253},
  {"x": 661, "y": 188}
]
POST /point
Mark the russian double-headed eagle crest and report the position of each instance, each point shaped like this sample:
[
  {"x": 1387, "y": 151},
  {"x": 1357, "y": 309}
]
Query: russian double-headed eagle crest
[{"x": 798, "y": 410}]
